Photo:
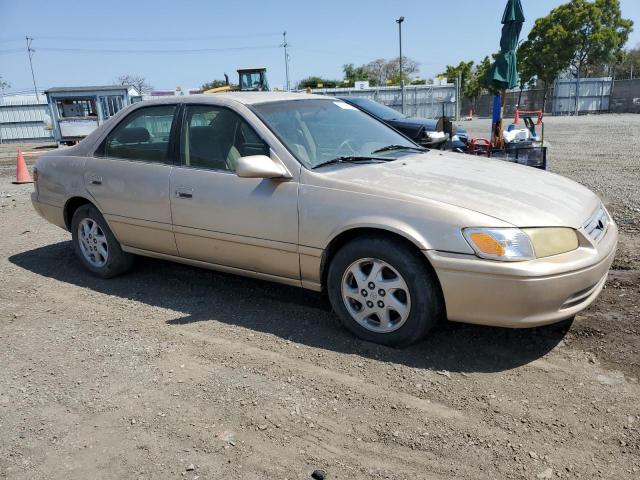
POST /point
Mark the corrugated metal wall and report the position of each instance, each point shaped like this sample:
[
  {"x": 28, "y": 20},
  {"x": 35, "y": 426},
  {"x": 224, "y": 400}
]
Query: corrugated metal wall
[
  {"x": 22, "y": 118},
  {"x": 593, "y": 95},
  {"x": 420, "y": 100}
]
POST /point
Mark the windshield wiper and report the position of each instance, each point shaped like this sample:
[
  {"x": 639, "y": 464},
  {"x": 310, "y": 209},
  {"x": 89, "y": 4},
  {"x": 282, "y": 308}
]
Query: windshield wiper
[
  {"x": 351, "y": 159},
  {"x": 399, "y": 147}
]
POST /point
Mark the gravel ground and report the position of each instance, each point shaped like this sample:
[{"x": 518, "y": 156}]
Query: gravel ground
[{"x": 178, "y": 372}]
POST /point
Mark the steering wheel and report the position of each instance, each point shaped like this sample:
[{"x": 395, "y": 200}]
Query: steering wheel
[{"x": 343, "y": 146}]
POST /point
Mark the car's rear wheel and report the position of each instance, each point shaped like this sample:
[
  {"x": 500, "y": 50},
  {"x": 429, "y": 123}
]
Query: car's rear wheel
[
  {"x": 384, "y": 292},
  {"x": 95, "y": 245}
]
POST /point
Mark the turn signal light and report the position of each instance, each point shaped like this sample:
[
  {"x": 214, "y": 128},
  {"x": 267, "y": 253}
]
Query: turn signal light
[{"x": 487, "y": 244}]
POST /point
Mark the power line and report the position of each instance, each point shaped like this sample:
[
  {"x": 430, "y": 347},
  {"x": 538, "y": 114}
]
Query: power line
[
  {"x": 10, "y": 50},
  {"x": 154, "y": 39},
  {"x": 155, "y": 51}
]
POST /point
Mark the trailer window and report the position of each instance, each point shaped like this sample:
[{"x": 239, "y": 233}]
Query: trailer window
[
  {"x": 111, "y": 104},
  {"x": 76, "y": 108}
]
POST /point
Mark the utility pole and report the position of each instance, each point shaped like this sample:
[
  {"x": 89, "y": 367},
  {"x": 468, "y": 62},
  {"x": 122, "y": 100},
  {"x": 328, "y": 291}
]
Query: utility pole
[
  {"x": 286, "y": 59},
  {"x": 30, "y": 52},
  {"x": 458, "y": 93},
  {"x": 399, "y": 22}
]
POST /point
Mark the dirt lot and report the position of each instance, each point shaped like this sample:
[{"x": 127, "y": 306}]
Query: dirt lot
[{"x": 176, "y": 372}]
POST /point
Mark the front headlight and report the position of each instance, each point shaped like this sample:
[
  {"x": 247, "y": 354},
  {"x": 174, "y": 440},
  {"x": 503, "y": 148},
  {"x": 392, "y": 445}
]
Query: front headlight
[
  {"x": 552, "y": 241},
  {"x": 514, "y": 244}
]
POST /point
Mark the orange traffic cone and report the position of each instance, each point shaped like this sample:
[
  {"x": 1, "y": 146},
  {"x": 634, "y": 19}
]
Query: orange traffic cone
[
  {"x": 22, "y": 174},
  {"x": 516, "y": 119}
]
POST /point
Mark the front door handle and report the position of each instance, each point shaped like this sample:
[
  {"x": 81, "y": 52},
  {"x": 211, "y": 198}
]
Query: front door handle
[{"x": 184, "y": 192}]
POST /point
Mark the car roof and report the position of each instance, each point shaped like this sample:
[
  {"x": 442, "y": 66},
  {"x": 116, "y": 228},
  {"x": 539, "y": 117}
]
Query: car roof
[{"x": 245, "y": 98}]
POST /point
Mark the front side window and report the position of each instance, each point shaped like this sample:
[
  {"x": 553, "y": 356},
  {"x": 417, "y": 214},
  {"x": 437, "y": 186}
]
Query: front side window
[
  {"x": 316, "y": 131},
  {"x": 215, "y": 137},
  {"x": 143, "y": 135}
]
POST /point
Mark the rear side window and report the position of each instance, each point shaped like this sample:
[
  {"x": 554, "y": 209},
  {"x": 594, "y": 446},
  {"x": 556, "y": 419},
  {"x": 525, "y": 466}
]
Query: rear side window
[{"x": 144, "y": 135}]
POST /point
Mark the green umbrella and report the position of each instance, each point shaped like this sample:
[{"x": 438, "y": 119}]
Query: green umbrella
[{"x": 504, "y": 71}]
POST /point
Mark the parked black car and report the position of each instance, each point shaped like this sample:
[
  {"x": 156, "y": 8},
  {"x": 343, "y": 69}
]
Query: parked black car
[{"x": 418, "y": 129}]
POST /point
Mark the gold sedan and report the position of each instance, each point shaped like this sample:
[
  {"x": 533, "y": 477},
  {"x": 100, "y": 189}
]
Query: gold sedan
[{"x": 309, "y": 191}]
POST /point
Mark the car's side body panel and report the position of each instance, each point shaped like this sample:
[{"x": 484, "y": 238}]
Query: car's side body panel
[
  {"x": 243, "y": 223},
  {"x": 134, "y": 199},
  {"x": 60, "y": 179},
  {"x": 212, "y": 266}
]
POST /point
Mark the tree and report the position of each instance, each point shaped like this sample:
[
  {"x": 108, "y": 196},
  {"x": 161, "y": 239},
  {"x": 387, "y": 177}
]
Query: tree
[
  {"x": 597, "y": 33},
  {"x": 576, "y": 35},
  {"x": 380, "y": 72},
  {"x": 354, "y": 74},
  {"x": 476, "y": 81},
  {"x": 213, "y": 84},
  {"x": 544, "y": 54},
  {"x": 630, "y": 65},
  {"x": 463, "y": 69},
  {"x": 137, "y": 81},
  {"x": 376, "y": 69},
  {"x": 392, "y": 70},
  {"x": 314, "y": 81},
  {"x": 4, "y": 85}
]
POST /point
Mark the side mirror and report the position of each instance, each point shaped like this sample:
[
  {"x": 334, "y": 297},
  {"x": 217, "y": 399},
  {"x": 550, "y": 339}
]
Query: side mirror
[{"x": 260, "y": 166}]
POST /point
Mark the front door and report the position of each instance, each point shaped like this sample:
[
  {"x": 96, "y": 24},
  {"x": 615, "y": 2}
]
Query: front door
[
  {"x": 220, "y": 218},
  {"x": 128, "y": 178}
]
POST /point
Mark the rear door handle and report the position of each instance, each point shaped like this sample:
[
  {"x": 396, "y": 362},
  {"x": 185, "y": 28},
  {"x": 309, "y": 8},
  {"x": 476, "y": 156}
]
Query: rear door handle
[
  {"x": 184, "y": 192},
  {"x": 95, "y": 179}
]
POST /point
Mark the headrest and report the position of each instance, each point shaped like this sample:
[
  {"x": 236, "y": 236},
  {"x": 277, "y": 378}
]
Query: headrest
[
  {"x": 133, "y": 135},
  {"x": 200, "y": 134}
]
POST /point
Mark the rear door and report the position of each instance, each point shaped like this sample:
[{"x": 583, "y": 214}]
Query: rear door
[
  {"x": 245, "y": 223},
  {"x": 128, "y": 178}
]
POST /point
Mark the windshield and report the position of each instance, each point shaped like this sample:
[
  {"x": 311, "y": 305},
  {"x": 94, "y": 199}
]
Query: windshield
[
  {"x": 253, "y": 81},
  {"x": 377, "y": 109},
  {"x": 316, "y": 131}
]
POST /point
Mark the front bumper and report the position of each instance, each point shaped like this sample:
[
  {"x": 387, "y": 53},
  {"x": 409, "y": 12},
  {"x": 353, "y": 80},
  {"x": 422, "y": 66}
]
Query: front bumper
[{"x": 524, "y": 294}]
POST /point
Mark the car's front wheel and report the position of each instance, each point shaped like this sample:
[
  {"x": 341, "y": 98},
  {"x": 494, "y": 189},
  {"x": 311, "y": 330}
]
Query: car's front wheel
[
  {"x": 95, "y": 245},
  {"x": 384, "y": 292}
]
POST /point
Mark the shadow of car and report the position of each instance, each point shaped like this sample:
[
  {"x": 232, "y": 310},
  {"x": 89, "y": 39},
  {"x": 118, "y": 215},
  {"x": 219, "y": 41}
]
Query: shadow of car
[{"x": 291, "y": 313}]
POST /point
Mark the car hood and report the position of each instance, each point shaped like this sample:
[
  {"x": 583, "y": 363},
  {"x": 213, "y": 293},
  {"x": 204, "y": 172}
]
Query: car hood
[{"x": 520, "y": 195}]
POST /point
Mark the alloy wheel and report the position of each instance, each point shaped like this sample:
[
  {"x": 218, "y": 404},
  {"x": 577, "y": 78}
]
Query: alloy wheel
[
  {"x": 93, "y": 242},
  {"x": 376, "y": 295}
]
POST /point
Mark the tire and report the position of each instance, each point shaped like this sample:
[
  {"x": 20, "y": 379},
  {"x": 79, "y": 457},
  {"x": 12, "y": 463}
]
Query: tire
[
  {"x": 91, "y": 247},
  {"x": 414, "y": 303}
]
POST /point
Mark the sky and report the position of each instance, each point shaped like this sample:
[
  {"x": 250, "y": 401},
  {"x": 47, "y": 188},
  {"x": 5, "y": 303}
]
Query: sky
[{"x": 187, "y": 43}]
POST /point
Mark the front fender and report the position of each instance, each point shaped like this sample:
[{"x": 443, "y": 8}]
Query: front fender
[
  {"x": 325, "y": 213},
  {"x": 381, "y": 223}
]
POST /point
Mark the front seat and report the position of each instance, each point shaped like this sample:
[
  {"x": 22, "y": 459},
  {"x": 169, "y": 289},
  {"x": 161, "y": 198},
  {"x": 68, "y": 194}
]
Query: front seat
[{"x": 204, "y": 150}]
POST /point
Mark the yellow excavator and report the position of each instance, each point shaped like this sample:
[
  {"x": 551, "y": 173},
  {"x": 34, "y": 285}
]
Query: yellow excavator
[{"x": 249, "y": 80}]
